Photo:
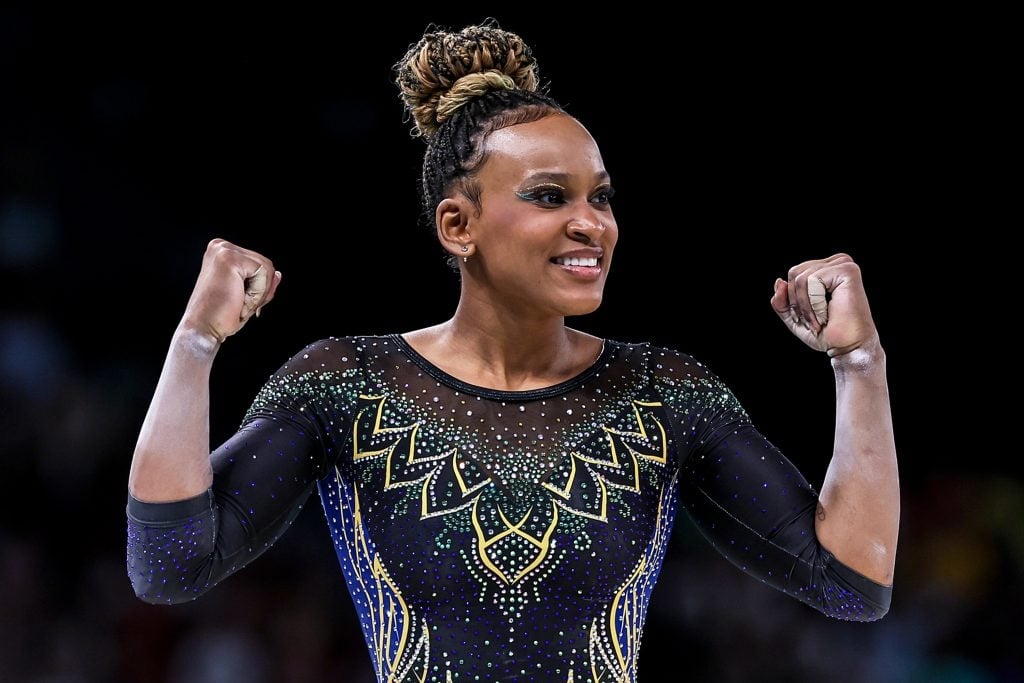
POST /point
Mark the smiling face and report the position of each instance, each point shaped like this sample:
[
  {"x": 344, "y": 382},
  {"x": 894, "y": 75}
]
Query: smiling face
[{"x": 544, "y": 235}]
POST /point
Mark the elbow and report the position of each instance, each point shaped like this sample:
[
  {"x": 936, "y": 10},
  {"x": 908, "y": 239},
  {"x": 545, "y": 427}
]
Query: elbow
[
  {"x": 167, "y": 567},
  {"x": 161, "y": 592},
  {"x": 157, "y": 584},
  {"x": 860, "y": 605},
  {"x": 846, "y": 593},
  {"x": 870, "y": 614},
  {"x": 156, "y": 598},
  {"x": 859, "y": 612}
]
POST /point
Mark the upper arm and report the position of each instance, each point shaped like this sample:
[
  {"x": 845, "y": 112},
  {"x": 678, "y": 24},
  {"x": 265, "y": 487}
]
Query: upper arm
[
  {"x": 751, "y": 502},
  {"x": 263, "y": 474}
]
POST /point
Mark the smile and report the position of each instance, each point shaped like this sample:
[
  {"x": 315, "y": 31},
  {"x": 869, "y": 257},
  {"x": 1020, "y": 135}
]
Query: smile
[{"x": 563, "y": 261}]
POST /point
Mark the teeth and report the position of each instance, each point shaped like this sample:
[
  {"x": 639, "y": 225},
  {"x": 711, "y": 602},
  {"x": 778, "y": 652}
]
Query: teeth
[{"x": 592, "y": 262}]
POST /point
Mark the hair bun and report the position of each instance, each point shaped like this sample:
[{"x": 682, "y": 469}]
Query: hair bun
[
  {"x": 468, "y": 87},
  {"x": 446, "y": 69}
]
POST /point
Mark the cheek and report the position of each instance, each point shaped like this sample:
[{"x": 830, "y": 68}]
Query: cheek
[
  {"x": 501, "y": 227},
  {"x": 611, "y": 234},
  {"x": 500, "y": 213}
]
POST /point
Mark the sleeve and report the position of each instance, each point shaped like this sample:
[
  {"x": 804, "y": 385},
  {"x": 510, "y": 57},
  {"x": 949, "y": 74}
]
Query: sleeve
[
  {"x": 752, "y": 504},
  {"x": 262, "y": 477}
]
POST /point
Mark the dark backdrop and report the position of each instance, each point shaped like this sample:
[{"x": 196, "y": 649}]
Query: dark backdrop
[{"x": 739, "y": 145}]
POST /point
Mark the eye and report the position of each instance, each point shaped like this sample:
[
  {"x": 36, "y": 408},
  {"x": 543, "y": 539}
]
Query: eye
[
  {"x": 544, "y": 194},
  {"x": 603, "y": 195}
]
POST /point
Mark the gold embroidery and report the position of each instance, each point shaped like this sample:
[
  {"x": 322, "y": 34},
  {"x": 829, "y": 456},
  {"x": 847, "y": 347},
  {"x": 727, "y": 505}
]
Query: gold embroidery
[
  {"x": 543, "y": 544},
  {"x": 392, "y": 618},
  {"x": 449, "y": 482}
]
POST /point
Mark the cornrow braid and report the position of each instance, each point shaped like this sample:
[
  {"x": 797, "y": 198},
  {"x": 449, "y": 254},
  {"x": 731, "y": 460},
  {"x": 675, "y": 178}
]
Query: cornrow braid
[
  {"x": 458, "y": 88},
  {"x": 457, "y": 150}
]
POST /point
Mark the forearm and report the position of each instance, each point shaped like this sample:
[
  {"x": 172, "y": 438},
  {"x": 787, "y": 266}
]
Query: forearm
[
  {"x": 859, "y": 504},
  {"x": 172, "y": 454}
]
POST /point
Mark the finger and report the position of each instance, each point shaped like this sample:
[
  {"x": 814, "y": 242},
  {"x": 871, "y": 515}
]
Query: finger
[
  {"x": 255, "y": 291},
  {"x": 786, "y": 310},
  {"x": 817, "y": 294},
  {"x": 271, "y": 291},
  {"x": 800, "y": 279},
  {"x": 796, "y": 279},
  {"x": 782, "y": 304},
  {"x": 780, "y": 298},
  {"x": 838, "y": 257}
]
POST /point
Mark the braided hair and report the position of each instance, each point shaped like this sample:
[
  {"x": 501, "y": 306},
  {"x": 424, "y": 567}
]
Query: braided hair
[{"x": 458, "y": 87}]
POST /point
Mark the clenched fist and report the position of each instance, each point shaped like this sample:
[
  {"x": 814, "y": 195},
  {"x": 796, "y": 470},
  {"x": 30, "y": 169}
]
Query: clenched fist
[
  {"x": 824, "y": 304},
  {"x": 234, "y": 283}
]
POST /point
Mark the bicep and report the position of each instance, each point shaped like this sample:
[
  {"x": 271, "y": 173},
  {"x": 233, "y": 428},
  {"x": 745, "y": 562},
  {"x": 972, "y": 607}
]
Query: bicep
[
  {"x": 758, "y": 510},
  {"x": 263, "y": 475},
  {"x": 740, "y": 486}
]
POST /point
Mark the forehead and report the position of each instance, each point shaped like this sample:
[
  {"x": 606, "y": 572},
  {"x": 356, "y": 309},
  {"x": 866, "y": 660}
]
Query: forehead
[{"x": 553, "y": 144}]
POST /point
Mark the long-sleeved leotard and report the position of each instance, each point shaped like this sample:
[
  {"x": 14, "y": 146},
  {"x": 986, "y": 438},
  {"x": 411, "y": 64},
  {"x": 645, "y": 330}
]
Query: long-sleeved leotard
[{"x": 493, "y": 535}]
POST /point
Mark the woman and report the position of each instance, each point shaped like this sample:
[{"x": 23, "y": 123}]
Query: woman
[{"x": 500, "y": 487}]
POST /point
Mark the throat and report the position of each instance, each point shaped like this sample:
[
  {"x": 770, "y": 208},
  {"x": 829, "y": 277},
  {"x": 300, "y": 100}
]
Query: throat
[{"x": 508, "y": 367}]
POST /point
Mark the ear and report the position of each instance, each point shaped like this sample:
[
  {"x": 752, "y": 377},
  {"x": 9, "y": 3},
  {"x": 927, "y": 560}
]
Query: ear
[{"x": 452, "y": 221}]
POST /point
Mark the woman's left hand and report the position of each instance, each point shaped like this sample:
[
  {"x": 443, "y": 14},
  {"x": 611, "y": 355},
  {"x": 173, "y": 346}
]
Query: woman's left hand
[{"x": 843, "y": 320}]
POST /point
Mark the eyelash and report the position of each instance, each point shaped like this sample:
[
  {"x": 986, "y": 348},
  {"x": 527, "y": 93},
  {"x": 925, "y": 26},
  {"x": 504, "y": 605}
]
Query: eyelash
[{"x": 536, "y": 194}]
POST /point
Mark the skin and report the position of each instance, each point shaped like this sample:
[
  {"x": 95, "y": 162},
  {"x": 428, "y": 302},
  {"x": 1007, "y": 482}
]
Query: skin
[
  {"x": 544, "y": 195},
  {"x": 859, "y": 501}
]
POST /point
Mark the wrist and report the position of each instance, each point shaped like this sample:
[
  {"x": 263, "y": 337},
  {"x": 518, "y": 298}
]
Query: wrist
[
  {"x": 865, "y": 359},
  {"x": 195, "y": 342}
]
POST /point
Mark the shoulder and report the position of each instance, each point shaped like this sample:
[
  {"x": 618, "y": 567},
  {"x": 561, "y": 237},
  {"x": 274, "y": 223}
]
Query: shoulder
[
  {"x": 334, "y": 353},
  {"x": 327, "y": 368},
  {"x": 657, "y": 359},
  {"x": 669, "y": 367}
]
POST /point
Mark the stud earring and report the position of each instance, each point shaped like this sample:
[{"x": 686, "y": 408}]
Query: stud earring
[{"x": 465, "y": 248}]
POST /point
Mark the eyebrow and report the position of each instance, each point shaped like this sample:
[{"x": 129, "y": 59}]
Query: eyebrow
[{"x": 560, "y": 178}]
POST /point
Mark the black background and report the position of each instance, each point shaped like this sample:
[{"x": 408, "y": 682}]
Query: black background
[{"x": 739, "y": 145}]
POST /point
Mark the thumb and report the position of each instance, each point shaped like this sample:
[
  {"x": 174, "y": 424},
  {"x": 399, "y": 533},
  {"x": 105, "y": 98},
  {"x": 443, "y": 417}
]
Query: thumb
[
  {"x": 780, "y": 299},
  {"x": 255, "y": 290}
]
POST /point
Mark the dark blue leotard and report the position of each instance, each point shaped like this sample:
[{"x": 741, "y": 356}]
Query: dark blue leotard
[{"x": 493, "y": 535}]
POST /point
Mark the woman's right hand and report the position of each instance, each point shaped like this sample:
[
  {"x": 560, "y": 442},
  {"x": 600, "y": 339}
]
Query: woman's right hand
[{"x": 234, "y": 283}]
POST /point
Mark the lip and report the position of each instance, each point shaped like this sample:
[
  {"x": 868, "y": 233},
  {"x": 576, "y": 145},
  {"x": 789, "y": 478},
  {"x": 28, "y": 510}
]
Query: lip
[
  {"x": 580, "y": 271},
  {"x": 581, "y": 253}
]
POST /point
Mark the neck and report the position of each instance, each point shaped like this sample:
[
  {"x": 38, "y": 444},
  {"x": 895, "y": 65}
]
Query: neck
[
  {"x": 506, "y": 353},
  {"x": 513, "y": 347}
]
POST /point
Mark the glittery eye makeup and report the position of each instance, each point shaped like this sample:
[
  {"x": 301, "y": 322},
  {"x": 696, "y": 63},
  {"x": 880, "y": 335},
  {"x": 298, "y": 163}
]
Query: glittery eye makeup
[
  {"x": 546, "y": 193},
  {"x": 551, "y": 193},
  {"x": 604, "y": 194}
]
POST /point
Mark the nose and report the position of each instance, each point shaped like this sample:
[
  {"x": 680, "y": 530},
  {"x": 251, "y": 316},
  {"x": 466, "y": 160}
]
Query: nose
[{"x": 585, "y": 229}]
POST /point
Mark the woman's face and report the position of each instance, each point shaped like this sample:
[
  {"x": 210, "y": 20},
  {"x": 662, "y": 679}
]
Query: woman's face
[{"x": 545, "y": 232}]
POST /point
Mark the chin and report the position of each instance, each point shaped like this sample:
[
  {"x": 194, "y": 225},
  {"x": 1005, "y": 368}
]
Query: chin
[{"x": 585, "y": 307}]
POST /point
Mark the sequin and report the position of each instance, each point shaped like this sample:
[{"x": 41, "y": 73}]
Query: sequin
[{"x": 506, "y": 542}]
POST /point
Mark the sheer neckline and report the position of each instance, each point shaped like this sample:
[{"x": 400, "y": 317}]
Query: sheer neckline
[{"x": 503, "y": 394}]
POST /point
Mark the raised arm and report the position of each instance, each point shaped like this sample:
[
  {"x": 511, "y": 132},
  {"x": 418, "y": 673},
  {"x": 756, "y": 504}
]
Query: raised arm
[
  {"x": 172, "y": 455},
  {"x": 194, "y": 517},
  {"x": 824, "y": 304}
]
